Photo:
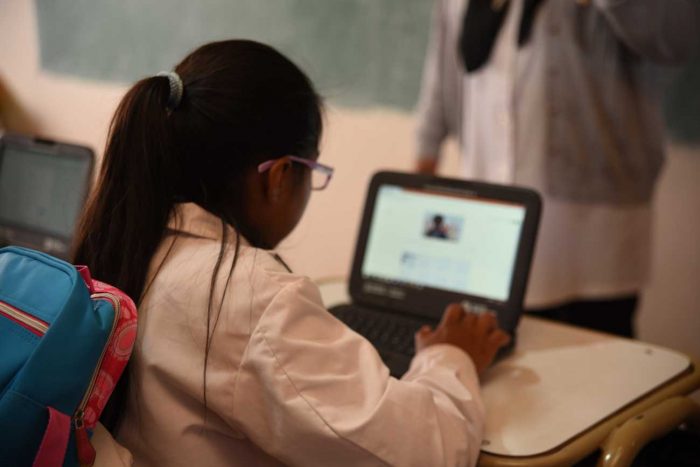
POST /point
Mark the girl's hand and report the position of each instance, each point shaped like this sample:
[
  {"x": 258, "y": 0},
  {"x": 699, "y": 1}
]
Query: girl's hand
[{"x": 476, "y": 334}]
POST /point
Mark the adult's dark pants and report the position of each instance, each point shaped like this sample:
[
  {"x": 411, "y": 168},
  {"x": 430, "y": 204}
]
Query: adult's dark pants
[{"x": 614, "y": 316}]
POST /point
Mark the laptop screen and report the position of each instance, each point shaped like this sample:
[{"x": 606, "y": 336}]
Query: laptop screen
[
  {"x": 446, "y": 241},
  {"x": 41, "y": 192},
  {"x": 43, "y": 186}
]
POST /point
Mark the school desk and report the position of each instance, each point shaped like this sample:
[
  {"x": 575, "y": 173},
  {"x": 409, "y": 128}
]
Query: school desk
[{"x": 566, "y": 392}]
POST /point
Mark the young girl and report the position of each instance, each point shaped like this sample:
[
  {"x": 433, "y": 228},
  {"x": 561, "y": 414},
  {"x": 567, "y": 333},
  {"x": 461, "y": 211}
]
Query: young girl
[{"x": 237, "y": 362}]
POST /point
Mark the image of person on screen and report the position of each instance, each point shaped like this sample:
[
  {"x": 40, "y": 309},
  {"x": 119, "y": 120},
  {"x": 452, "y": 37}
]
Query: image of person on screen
[{"x": 437, "y": 228}]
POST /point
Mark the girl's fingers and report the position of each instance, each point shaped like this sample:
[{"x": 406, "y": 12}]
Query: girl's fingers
[
  {"x": 453, "y": 314},
  {"x": 499, "y": 338},
  {"x": 486, "y": 322}
]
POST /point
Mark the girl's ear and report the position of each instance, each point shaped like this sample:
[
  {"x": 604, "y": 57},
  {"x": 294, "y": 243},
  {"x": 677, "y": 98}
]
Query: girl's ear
[{"x": 278, "y": 179}]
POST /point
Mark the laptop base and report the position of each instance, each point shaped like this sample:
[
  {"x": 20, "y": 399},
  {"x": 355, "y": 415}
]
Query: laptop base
[{"x": 391, "y": 333}]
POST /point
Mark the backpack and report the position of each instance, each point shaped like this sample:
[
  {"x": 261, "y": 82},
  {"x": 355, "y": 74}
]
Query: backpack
[{"x": 64, "y": 342}]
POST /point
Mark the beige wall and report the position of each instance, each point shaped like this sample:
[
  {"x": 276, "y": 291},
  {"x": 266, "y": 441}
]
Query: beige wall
[{"x": 357, "y": 143}]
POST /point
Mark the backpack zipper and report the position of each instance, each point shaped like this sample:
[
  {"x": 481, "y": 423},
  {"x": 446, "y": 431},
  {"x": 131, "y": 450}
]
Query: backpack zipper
[
  {"x": 86, "y": 453},
  {"x": 24, "y": 319}
]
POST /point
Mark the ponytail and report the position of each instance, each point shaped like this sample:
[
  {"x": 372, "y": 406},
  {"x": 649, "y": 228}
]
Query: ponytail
[
  {"x": 243, "y": 103},
  {"x": 127, "y": 215}
]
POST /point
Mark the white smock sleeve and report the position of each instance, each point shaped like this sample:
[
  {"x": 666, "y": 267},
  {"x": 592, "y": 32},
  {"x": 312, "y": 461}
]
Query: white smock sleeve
[
  {"x": 438, "y": 111},
  {"x": 310, "y": 391}
]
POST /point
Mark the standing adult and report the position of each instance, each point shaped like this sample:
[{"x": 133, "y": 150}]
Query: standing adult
[{"x": 562, "y": 96}]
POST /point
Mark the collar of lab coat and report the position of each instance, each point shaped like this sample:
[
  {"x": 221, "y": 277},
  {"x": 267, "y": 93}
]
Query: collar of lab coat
[{"x": 191, "y": 219}]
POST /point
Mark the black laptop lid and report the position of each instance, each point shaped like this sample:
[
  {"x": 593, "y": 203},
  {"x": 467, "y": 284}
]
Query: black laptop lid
[
  {"x": 43, "y": 187},
  {"x": 425, "y": 242}
]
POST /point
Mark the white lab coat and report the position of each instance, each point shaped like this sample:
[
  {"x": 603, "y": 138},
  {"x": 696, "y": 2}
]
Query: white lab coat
[
  {"x": 575, "y": 115},
  {"x": 286, "y": 381}
]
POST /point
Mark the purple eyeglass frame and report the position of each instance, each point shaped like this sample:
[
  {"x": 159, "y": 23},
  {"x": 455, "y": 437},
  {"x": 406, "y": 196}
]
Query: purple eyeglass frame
[{"x": 313, "y": 165}]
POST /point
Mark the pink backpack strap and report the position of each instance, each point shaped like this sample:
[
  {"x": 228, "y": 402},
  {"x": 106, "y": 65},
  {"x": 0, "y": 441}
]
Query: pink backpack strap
[
  {"x": 84, "y": 272},
  {"x": 53, "y": 446}
]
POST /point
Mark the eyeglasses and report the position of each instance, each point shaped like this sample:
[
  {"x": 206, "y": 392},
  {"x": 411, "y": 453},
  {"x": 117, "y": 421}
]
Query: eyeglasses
[{"x": 320, "y": 174}]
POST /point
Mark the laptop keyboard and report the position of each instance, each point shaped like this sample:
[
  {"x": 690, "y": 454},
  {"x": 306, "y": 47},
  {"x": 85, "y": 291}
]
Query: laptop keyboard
[{"x": 391, "y": 335}]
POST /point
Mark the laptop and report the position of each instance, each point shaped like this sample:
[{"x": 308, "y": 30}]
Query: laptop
[
  {"x": 43, "y": 188},
  {"x": 426, "y": 242}
]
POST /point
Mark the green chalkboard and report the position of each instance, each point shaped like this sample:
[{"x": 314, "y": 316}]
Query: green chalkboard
[
  {"x": 683, "y": 104},
  {"x": 358, "y": 52}
]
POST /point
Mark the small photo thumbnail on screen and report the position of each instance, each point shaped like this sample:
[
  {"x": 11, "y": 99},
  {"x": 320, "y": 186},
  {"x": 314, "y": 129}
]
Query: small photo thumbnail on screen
[{"x": 443, "y": 227}]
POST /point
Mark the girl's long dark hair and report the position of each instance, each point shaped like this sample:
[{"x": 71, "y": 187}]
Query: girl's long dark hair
[{"x": 243, "y": 103}]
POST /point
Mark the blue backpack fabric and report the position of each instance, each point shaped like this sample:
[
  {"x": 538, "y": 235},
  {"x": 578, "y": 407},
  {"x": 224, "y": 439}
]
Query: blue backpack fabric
[{"x": 52, "y": 337}]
